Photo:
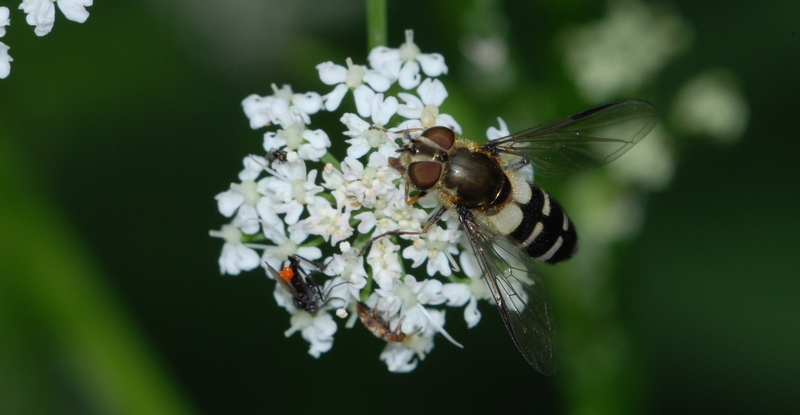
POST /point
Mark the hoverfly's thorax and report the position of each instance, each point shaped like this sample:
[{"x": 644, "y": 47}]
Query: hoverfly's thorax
[{"x": 476, "y": 179}]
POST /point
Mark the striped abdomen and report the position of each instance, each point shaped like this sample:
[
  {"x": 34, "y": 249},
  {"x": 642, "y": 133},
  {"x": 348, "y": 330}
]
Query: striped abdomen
[{"x": 546, "y": 233}]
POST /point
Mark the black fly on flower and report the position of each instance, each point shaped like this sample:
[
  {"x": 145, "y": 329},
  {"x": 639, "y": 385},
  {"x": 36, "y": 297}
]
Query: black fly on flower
[{"x": 305, "y": 202}]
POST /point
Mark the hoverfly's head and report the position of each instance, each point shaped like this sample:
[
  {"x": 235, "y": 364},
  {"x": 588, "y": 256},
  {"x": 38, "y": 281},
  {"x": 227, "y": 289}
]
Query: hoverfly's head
[{"x": 423, "y": 158}]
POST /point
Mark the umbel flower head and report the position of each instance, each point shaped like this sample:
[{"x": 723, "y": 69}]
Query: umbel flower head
[{"x": 299, "y": 201}]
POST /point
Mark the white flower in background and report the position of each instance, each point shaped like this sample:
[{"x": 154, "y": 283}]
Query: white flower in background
[
  {"x": 648, "y": 164},
  {"x": 405, "y": 62},
  {"x": 712, "y": 104},
  {"x": 42, "y": 13},
  {"x": 4, "y": 20},
  {"x": 5, "y": 59},
  {"x": 628, "y": 47}
]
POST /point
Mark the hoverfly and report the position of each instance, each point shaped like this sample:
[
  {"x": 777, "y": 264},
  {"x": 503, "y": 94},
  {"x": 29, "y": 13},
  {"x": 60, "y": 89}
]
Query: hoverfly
[
  {"x": 372, "y": 320},
  {"x": 510, "y": 221},
  {"x": 306, "y": 294}
]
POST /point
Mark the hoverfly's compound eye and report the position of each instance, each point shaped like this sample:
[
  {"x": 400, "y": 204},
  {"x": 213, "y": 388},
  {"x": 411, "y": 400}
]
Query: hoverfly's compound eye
[
  {"x": 442, "y": 136},
  {"x": 424, "y": 174}
]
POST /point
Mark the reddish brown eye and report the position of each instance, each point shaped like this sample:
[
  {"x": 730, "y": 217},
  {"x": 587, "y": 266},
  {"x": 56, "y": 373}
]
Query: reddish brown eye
[
  {"x": 442, "y": 136},
  {"x": 424, "y": 174}
]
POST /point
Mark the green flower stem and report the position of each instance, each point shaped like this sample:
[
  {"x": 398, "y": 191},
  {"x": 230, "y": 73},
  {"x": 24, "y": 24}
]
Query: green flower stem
[
  {"x": 329, "y": 158},
  {"x": 377, "y": 30}
]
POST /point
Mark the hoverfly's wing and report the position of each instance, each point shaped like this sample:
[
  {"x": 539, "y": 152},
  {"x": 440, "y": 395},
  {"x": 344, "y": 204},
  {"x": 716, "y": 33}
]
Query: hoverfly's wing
[
  {"x": 519, "y": 293},
  {"x": 581, "y": 141}
]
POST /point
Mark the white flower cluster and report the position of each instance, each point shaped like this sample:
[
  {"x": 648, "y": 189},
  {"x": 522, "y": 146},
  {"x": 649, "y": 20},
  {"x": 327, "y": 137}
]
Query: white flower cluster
[
  {"x": 619, "y": 53},
  {"x": 299, "y": 199},
  {"x": 41, "y": 15}
]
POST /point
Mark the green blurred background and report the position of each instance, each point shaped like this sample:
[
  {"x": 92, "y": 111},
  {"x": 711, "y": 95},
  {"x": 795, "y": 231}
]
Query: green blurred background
[{"x": 116, "y": 134}]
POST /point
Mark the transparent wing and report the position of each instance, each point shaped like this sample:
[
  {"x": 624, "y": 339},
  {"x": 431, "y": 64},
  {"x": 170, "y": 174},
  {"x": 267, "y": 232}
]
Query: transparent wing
[
  {"x": 581, "y": 141},
  {"x": 277, "y": 277},
  {"x": 519, "y": 293}
]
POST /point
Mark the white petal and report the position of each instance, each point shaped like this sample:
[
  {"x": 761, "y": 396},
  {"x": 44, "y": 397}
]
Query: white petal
[
  {"x": 495, "y": 133},
  {"x": 247, "y": 220},
  {"x": 432, "y": 91},
  {"x": 309, "y": 252},
  {"x": 320, "y": 334},
  {"x": 4, "y": 21},
  {"x": 456, "y": 294},
  {"x": 448, "y": 121},
  {"x": 383, "y": 110},
  {"x": 364, "y": 96},
  {"x": 255, "y": 108},
  {"x": 355, "y": 124},
  {"x": 309, "y": 103},
  {"x": 440, "y": 264},
  {"x": 253, "y": 166},
  {"x": 432, "y": 64},
  {"x": 358, "y": 147},
  {"x": 5, "y": 61},
  {"x": 41, "y": 14},
  {"x": 379, "y": 81},
  {"x": 331, "y": 73},
  {"x": 399, "y": 359},
  {"x": 317, "y": 138},
  {"x": 273, "y": 141},
  {"x": 409, "y": 75},
  {"x": 228, "y": 202},
  {"x": 412, "y": 107},
  {"x": 383, "y": 58},
  {"x": 75, "y": 10},
  {"x": 237, "y": 258},
  {"x": 471, "y": 313},
  {"x": 334, "y": 98}
]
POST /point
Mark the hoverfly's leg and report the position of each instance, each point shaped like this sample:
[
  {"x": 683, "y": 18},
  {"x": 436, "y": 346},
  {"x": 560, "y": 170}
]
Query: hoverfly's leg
[
  {"x": 415, "y": 198},
  {"x": 325, "y": 295},
  {"x": 431, "y": 221},
  {"x": 406, "y": 133}
]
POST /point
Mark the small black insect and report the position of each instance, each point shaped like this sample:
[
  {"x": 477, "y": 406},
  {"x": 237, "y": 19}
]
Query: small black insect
[{"x": 306, "y": 294}]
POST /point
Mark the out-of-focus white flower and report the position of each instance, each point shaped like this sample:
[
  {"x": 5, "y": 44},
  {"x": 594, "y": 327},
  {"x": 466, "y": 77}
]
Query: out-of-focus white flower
[
  {"x": 5, "y": 61},
  {"x": 42, "y": 13},
  {"x": 618, "y": 54},
  {"x": 649, "y": 164},
  {"x": 712, "y": 104},
  {"x": 4, "y": 20}
]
